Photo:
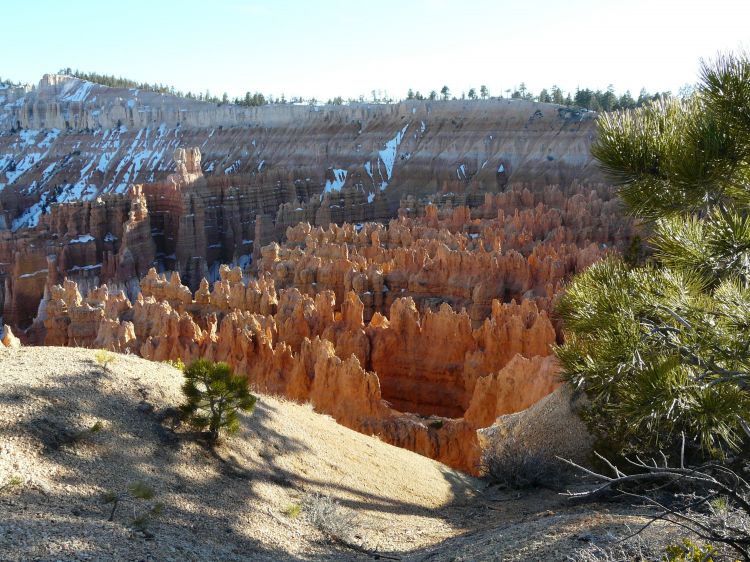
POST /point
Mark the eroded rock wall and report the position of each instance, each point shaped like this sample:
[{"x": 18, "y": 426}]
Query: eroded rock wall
[
  {"x": 69, "y": 140},
  {"x": 92, "y": 242},
  {"x": 421, "y": 331}
]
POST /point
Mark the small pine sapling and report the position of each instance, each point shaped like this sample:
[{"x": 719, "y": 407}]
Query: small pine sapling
[
  {"x": 104, "y": 359},
  {"x": 214, "y": 395}
]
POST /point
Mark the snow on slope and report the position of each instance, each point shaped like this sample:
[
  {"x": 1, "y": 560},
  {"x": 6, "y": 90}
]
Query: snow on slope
[{"x": 110, "y": 164}]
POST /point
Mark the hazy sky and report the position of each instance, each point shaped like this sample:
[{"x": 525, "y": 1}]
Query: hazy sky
[{"x": 325, "y": 48}]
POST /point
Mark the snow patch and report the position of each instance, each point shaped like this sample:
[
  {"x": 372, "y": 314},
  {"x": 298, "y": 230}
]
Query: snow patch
[
  {"x": 388, "y": 155},
  {"x": 82, "y": 239},
  {"x": 338, "y": 181},
  {"x": 76, "y": 91},
  {"x": 233, "y": 168}
]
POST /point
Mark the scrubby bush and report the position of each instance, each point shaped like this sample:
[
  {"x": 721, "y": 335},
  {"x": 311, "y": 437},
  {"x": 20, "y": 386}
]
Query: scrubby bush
[
  {"x": 104, "y": 359},
  {"x": 329, "y": 517},
  {"x": 13, "y": 482},
  {"x": 511, "y": 465},
  {"x": 136, "y": 491},
  {"x": 710, "y": 501},
  {"x": 214, "y": 396},
  {"x": 688, "y": 551},
  {"x": 293, "y": 510}
]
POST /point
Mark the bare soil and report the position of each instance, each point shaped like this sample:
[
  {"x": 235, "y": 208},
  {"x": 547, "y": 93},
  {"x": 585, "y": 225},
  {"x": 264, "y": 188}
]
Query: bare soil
[{"x": 73, "y": 433}]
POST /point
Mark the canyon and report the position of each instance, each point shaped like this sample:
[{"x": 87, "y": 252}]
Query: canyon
[{"x": 396, "y": 266}]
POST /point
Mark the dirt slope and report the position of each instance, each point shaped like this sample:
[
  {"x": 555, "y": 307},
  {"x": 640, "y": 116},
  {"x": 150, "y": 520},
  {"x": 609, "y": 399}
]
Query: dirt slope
[
  {"x": 231, "y": 509},
  {"x": 234, "y": 505}
]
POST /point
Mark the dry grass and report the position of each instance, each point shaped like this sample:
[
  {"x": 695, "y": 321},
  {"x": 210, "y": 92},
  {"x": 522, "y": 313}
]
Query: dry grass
[
  {"x": 330, "y": 517},
  {"x": 514, "y": 466}
]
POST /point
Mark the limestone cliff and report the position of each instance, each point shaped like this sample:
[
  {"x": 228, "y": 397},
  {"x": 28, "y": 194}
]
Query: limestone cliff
[{"x": 70, "y": 140}]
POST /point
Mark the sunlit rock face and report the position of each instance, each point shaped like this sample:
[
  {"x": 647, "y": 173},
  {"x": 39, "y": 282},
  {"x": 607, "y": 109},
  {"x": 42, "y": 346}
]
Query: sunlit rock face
[{"x": 420, "y": 331}]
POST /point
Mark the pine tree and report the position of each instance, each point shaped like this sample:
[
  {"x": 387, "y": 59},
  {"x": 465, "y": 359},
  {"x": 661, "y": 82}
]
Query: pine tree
[
  {"x": 484, "y": 92},
  {"x": 214, "y": 395},
  {"x": 557, "y": 95},
  {"x": 626, "y": 101},
  {"x": 663, "y": 349},
  {"x": 445, "y": 92}
]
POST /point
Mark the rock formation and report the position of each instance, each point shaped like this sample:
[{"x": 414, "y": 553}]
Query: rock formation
[
  {"x": 531, "y": 238},
  {"x": 70, "y": 140},
  {"x": 92, "y": 242},
  {"x": 393, "y": 265},
  {"x": 421, "y": 331},
  {"x": 8, "y": 339}
]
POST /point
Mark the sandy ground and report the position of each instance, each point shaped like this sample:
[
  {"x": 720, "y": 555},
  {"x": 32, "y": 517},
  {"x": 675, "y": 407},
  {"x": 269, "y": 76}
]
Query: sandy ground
[{"x": 72, "y": 432}]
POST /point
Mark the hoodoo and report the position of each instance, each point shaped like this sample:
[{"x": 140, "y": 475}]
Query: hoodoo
[{"x": 394, "y": 265}]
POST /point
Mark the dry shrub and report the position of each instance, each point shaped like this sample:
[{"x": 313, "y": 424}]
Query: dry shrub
[
  {"x": 327, "y": 515},
  {"x": 512, "y": 465}
]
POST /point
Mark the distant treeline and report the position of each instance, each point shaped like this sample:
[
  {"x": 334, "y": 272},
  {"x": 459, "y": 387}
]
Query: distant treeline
[
  {"x": 594, "y": 100},
  {"x": 8, "y": 82}
]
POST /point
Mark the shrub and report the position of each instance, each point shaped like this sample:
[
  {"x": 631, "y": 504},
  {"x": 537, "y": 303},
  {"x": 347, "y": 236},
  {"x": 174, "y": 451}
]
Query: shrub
[
  {"x": 13, "y": 482},
  {"x": 293, "y": 510},
  {"x": 689, "y": 551},
  {"x": 329, "y": 517},
  {"x": 136, "y": 491},
  {"x": 104, "y": 359},
  {"x": 214, "y": 395},
  {"x": 511, "y": 465}
]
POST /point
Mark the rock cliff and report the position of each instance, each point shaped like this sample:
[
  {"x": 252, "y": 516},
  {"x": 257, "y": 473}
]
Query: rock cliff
[{"x": 71, "y": 140}]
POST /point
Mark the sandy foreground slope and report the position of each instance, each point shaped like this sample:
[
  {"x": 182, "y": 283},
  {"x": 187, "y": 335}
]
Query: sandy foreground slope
[{"x": 237, "y": 503}]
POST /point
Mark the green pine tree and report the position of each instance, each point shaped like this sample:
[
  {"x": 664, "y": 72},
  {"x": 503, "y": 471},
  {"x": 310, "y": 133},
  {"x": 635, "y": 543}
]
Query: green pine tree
[
  {"x": 663, "y": 348},
  {"x": 214, "y": 395}
]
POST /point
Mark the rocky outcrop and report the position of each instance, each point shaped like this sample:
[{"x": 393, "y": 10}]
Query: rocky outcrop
[
  {"x": 518, "y": 245},
  {"x": 108, "y": 240},
  {"x": 8, "y": 339},
  {"x": 422, "y": 381}
]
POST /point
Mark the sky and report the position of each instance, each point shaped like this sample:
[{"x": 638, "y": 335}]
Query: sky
[{"x": 348, "y": 48}]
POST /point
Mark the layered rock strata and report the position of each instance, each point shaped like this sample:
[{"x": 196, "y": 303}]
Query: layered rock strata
[
  {"x": 108, "y": 239},
  {"x": 70, "y": 140},
  {"x": 191, "y": 223},
  {"x": 421, "y": 331}
]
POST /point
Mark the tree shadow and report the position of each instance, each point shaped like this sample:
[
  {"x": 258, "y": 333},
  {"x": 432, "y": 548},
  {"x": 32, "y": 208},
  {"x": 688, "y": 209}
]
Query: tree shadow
[
  {"x": 218, "y": 502},
  {"x": 57, "y": 421}
]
